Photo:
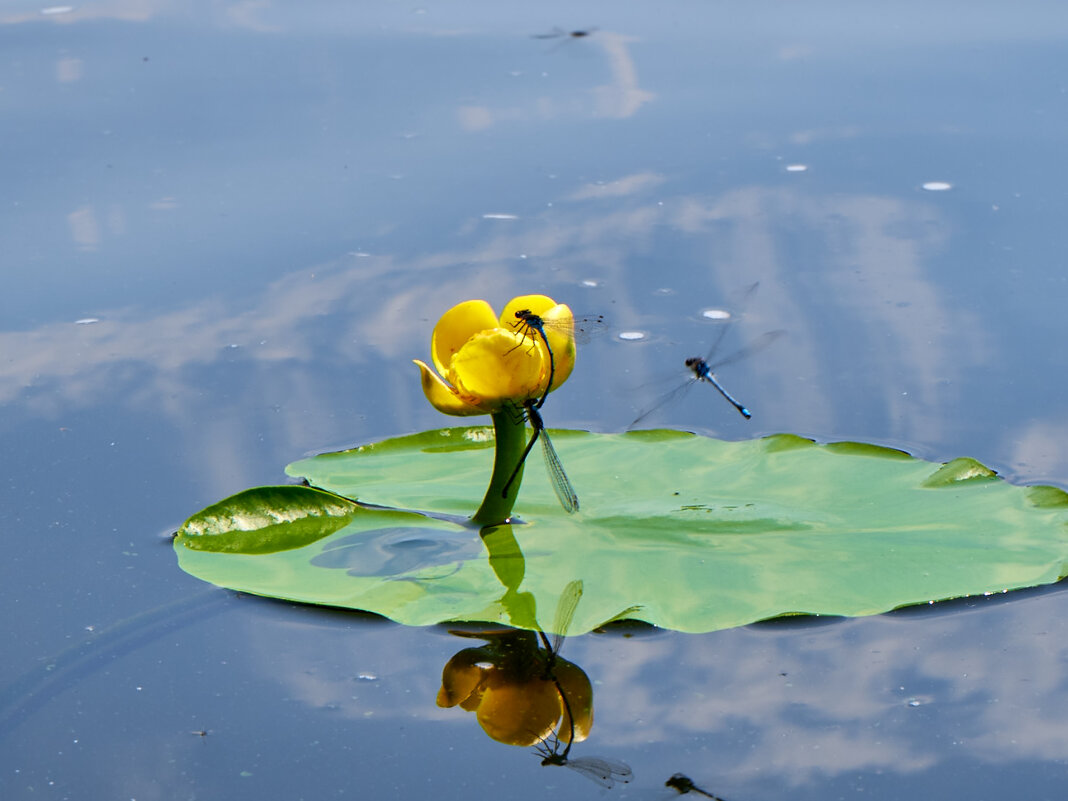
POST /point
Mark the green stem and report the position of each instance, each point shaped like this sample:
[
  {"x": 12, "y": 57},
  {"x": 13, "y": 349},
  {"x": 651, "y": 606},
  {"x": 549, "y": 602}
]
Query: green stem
[{"x": 510, "y": 431}]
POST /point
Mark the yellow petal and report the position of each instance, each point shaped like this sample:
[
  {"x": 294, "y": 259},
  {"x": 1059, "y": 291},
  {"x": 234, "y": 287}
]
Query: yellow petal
[
  {"x": 519, "y": 713},
  {"x": 496, "y": 367},
  {"x": 461, "y": 676},
  {"x": 575, "y": 684},
  {"x": 455, "y": 327},
  {"x": 443, "y": 397}
]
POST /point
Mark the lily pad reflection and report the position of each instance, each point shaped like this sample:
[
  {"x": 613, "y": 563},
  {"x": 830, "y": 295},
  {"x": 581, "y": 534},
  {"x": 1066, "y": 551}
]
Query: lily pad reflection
[{"x": 397, "y": 551}]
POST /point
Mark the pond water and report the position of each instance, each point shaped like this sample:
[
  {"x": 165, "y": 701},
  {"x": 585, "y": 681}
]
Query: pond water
[{"x": 229, "y": 227}]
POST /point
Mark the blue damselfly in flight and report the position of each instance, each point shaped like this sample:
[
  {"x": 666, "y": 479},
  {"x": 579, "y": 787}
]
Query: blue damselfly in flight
[{"x": 703, "y": 370}]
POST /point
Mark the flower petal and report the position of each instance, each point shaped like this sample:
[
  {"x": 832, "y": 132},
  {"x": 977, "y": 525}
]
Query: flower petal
[
  {"x": 461, "y": 677},
  {"x": 455, "y": 327},
  {"x": 575, "y": 684},
  {"x": 519, "y": 712},
  {"x": 496, "y": 367},
  {"x": 443, "y": 397}
]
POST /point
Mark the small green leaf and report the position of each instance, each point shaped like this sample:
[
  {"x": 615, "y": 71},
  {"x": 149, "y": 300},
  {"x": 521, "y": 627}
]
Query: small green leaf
[
  {"x": 267, "y": 520},
  {"x": 962, "y": 469},
  {"x": 1048, "y": 497}
]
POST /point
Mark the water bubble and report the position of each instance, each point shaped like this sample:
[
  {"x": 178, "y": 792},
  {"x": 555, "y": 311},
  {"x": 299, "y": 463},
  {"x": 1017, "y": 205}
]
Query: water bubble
[
  {"x": 716, "y": 314},
  {"x": 796, "y": 167},
  {"x": 632, "y": 336},
  {"x": 937, "y": 186}
]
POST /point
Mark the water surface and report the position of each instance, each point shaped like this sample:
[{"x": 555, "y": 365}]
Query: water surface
[{"x": 229, "y": 227}]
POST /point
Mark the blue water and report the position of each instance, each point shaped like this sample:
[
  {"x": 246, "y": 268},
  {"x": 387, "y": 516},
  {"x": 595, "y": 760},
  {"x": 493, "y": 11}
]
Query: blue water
[{"x": 228, "y": 228}]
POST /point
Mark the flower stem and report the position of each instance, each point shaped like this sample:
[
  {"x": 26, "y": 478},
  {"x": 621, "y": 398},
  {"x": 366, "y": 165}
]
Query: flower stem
[{"x": 510, "y": 431}]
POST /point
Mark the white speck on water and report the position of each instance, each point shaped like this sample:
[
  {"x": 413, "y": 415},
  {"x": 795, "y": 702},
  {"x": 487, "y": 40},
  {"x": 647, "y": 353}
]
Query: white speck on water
[
  {"x": 716, "y": 314},
  {"x": 914, "y": 702},
  {"x": 937, "y": 186},
  {"x": 57, "y": 10},
  {"x": 87, "y": 321},
  {"x": 522, "y": 255},
  {"x": 589, "y": 283},
  {"x": 796, "y": 167},
  {"x": 366, "y": 677},
  {"x": 632, "y": 336},
  {"x": 494, "y": 216}
]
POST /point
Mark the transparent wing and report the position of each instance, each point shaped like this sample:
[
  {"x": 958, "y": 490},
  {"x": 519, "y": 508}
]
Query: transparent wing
[
  {"x": 753, "y": 347},
  {"x": 555, "y": 33},
  {"x": 674, "y": 394},
  {"x": 565, "y": 612},
  {"x": 606, "y": 772},
  {"x": 584, "y": 327},
  {"x": 557, "y": 477}
]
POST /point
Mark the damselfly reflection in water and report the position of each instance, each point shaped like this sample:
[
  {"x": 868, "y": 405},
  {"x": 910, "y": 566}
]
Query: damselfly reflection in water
[
  {"x": 565, "y": 612},
  {"x": 565, "y": 493},
  {"x": 557, "y": 33},
  {"x": 606, "y": 772},
  {"x": 684, "y": 784},
  {"x": 703, "y": 370}
]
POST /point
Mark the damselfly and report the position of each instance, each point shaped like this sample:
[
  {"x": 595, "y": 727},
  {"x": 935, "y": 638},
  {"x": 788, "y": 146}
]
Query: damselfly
[
  {"x": 581, "y": 329},
  {"x": 703, "y": 370},
  {"x": 557, "y": 477}
]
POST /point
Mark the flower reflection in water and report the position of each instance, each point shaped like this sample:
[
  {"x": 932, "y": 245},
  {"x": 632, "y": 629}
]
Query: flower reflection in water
[{"x": 520, "y": 693}]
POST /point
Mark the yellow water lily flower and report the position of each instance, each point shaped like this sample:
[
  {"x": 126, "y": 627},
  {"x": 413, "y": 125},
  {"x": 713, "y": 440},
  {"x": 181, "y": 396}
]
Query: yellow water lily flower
[{"x": 485, "y": 363}]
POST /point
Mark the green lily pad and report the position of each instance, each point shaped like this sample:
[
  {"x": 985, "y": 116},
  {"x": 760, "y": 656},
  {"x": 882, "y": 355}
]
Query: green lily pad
[{"x": 679, "y": 530}]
